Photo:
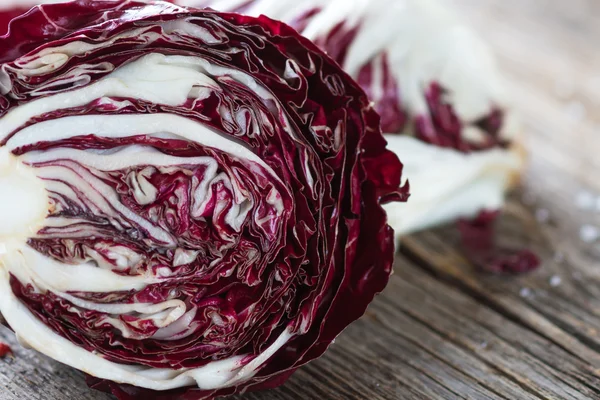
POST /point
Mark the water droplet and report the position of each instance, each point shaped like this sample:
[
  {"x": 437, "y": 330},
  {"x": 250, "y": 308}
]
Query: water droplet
[
  {"x": 589, "y": 233},
  {"x": 525, "y": 292},
  {"x": 555, "y": 281},
  {"x": 542, "y": 215},
  {"x": 585, "y": 200},
  {"x": 333, "y": 341}
]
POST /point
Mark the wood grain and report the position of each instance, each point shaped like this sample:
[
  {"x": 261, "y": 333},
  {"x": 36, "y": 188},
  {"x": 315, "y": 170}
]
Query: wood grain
[{"x": 442, "y": 330}]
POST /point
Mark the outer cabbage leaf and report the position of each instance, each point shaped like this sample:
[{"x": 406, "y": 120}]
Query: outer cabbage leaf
[
  {"x": 191, "y": 200},
  {"x": 433, "y": 80},
  {"x": 10, "y": 9}
]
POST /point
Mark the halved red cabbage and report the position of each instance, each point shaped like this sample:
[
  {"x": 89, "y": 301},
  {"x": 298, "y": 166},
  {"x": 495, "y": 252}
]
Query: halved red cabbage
[
  {"x": 191, "y": 200},
  {"x": 433, "y": 80}
]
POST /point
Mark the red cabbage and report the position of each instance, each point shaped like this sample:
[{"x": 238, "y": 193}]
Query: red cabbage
[
  {"x": 435, "y": 83},
  {"x": 10, "y": 9},
  {"x": 426, "y": 72},
  {"x": 479, "y": 243},
  {"x": 192, "y": 200},
  {"x": 4, "y": 350},
  {"x": 7, "y": 15}
]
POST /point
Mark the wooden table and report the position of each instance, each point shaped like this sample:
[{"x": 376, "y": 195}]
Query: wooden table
[{"x": 442, "y": 330}]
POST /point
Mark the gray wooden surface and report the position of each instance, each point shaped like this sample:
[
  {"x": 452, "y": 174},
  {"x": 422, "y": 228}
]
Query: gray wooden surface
[{"x": 442, "y": 330}]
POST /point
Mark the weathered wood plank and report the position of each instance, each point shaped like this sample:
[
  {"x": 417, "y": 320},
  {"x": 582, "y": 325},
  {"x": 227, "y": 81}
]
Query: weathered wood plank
[
  {"x": 536, "y": 362},
  {"x": 29, "y": 376}
]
